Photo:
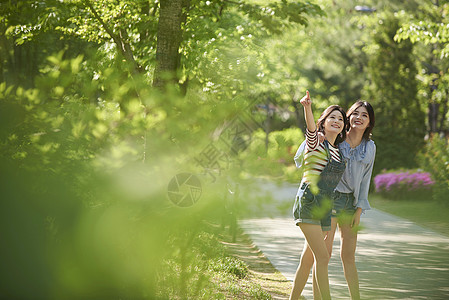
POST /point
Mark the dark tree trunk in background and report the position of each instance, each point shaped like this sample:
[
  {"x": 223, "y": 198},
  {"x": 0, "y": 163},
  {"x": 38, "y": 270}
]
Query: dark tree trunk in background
[
  {"x": 433, "y": 116},
  {"x": 443, "y": 116},
  {"x": 299, "y": 117},
  {"x": 169, "y": 34}
]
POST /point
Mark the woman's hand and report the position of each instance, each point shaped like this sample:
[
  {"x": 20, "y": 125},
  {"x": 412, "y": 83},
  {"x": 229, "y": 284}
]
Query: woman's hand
[
  {"x": 306, "y": 101},
  {"x": 321, "y": 137},
  {"x": 308, "y": 115},
  {"x": 356, "y": 218}
]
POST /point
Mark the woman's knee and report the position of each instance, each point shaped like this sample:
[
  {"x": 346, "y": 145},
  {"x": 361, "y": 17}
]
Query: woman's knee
[
  {"x": 347, "y": 257},
  {"x": 348, "y": 245},
  {"x": 307, "y": 259},
  {"x": 322, "y": 258}
]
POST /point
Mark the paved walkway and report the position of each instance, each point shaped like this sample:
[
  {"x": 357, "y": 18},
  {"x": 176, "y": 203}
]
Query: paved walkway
[{"x": 396, "y": 259}]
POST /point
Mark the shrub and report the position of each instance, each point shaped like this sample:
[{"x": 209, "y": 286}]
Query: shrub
[
  {"x": 435, "y": 160},
  {"x": 403, "y": 184}
]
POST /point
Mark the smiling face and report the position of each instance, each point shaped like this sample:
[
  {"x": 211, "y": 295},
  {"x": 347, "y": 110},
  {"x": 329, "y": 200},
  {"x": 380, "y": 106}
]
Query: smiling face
[
  {"x": 361, "y": 116},
  {"x": 334, "y": 122},
  {"x": 359, "y": 119}
]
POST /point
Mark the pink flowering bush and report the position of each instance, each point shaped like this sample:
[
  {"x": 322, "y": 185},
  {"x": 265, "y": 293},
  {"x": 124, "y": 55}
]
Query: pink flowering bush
[{"x": 404, "y": 184}]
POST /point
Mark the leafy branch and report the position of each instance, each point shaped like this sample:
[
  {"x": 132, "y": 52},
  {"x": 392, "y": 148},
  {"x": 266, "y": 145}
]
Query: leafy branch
[{"x": 119, "y": 40}]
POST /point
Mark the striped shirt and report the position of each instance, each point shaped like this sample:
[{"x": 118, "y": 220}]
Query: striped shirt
[{"x": 315, "y": 156}]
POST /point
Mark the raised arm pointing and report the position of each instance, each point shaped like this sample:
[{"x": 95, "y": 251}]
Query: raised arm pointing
[{"x": 308, "y": 115}]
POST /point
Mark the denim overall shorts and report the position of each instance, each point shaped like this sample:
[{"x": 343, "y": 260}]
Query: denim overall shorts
[
  {"x": 317, "y": 209},
  {"x": 343, "y": 205}
]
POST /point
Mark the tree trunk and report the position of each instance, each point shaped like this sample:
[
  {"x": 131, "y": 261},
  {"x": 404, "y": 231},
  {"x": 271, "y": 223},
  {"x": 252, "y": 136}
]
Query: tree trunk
[
  {"x": 443, "y": 116},
  {"x": 434, "y": 107},
  {"x": 433, "y": 116},
  {"x": 169, "y": 36},
  {"x": 299, "y": 117},
  {"x": 120, "y": 39}
]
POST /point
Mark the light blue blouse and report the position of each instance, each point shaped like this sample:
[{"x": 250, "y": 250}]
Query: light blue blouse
[{"x": 359, "y": 167}]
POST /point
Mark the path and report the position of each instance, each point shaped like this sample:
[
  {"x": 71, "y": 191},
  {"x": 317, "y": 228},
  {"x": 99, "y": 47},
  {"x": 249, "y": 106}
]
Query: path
[{"x": 396, "y": 258}]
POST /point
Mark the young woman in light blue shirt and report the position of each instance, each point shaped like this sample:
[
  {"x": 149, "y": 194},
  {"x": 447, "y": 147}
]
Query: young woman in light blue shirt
[{"x": 351, "y": 199}]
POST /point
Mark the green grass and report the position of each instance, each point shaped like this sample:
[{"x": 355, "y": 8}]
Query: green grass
[{"x": 427, "y": 213}]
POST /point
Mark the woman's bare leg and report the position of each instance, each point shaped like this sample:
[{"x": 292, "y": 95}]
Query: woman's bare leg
[
  {"x": 315, "y": 239},
  {"x": 302, "y": 273},
  {"x": 329, "y": 240},
  {"x": 347, "y": 253}
]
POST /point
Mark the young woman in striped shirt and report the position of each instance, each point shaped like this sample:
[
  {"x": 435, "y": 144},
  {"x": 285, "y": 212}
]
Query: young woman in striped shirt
[
  {"x": 323, "y": 168},
  {"x": 350, "y": 198}
]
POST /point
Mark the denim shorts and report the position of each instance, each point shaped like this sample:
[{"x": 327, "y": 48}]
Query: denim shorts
[
  {"x": 312, "y": 209},
  {"x": 343, "y": 204}
]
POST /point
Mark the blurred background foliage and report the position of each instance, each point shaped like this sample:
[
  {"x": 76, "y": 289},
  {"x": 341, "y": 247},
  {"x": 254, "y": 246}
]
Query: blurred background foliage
[{"x": 103, "y": 103}]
